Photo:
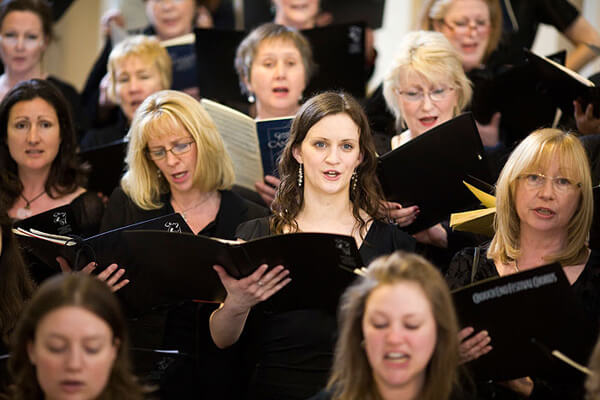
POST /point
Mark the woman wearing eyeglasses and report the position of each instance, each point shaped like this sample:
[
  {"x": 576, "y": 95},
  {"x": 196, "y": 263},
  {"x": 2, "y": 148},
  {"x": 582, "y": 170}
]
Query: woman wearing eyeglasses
[
  {"x": 25, "y": 33},
  {"x": 176, "y": 162},
  {"x": 544, "y": 212}
]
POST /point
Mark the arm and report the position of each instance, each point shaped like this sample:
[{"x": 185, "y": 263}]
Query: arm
[
  {"x": 268, "y": 189},
  {"x": 579, "y": 33},
  {"x": 227, "y": 323}
]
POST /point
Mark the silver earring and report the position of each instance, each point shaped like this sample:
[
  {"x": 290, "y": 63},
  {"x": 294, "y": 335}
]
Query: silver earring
[
  {"x": 158, "y": 174},
  {"x": 300, "y": 175},
  {"x": 251, "y": 98},
  {"x": 354, "y": 180}
]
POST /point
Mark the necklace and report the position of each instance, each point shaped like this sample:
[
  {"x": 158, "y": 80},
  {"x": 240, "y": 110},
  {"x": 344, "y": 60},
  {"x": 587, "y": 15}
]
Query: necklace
[
  {"x": 28, "y": 202},
  {"x": 183, "y": 212},
  {"x": 25, "y": 212}
]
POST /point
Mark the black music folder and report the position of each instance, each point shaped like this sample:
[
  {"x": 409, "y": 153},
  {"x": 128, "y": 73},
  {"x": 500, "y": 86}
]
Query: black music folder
[
  {"x": 338, "y": 51},
  {"x": 176, "y": 267},
  {"x": 564, "y": 85},
  {"x": 429, "y": 170},
  {"x": 516, "y": 92},
  {"x": 525, "y": 314},
  {"x": 107, "y": 164},
  {"x": 105, "y": 248}
]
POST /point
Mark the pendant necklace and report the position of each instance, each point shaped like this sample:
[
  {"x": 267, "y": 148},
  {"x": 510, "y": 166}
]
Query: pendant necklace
[
  {"x": 190, "y": 208},
  {"x": 25, "y": 212}
]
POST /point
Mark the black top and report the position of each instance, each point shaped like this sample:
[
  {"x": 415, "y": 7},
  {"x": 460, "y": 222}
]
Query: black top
[
  {"x": 293, "y": 351},
  {"x": 183, "y": 327},
  {"x": 74, "y": 99},
  {"x": 529, "y": 14},
  {"x": 87, "y": 211},
  {"x": 96, "y": 137},
  {"x": 586, "y": 288}
]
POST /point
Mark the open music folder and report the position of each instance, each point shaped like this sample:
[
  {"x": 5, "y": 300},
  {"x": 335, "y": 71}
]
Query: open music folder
[
  {"x": 428, "y": 171},
  {"x": 524, "y": 313},
  {"x": 176, "y": 266}
]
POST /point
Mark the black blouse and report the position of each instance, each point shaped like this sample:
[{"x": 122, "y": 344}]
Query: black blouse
[
  {"x": 293, "y": 351},
  {"x": 586, "y": 288}
]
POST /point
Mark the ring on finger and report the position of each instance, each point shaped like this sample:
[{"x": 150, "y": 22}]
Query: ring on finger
[{"x": 259, "y": 283}]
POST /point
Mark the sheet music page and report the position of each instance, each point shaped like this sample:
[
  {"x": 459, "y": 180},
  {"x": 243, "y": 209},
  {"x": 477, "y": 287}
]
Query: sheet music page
[{"x": 239, "y": 134}]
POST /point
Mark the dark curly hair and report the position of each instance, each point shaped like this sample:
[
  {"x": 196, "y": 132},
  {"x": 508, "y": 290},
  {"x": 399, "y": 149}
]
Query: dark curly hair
[
  {"x": 66, "y": 173},
  {"x": 290, "y": 197}
]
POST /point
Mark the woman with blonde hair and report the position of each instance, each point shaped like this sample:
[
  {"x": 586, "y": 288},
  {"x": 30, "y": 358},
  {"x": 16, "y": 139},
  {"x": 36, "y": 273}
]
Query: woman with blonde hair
[
  {"x": 137, "y": 67},
  {"x": 544, "y": 212},
  {"x": 397, "y": 335},
  {"x": 177, "y": 162}
]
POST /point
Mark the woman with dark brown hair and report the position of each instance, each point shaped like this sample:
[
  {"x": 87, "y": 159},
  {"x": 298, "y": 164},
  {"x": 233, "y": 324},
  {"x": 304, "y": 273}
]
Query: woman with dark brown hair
[
  {"x": 328, "y": 185},
  {"x": 39, "y": 169},
  {"x": 72, "y": 342}
]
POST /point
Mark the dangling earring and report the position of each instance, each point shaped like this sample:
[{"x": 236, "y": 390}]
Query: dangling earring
[
  {"x": 354, "y": 180},
  {"x": 158, "y": 174},
  {"x": 251, "y": 98},
  {"x": 300, "y": 175}
]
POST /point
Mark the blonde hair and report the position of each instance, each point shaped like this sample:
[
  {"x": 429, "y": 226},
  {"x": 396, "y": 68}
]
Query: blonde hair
[
  {"x": 161, "y": 113},
  {"x": 148, "y": 49},
  {"x": 352, "y": 375},
  {"x": 534, "y": 153},
  {"x": 435, "y": 10},
  {"x": 430, "y": 55}
]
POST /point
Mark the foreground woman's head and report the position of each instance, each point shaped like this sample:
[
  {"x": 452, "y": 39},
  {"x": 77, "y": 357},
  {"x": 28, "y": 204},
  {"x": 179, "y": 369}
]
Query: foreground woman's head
[
  {"x": 398, "y": 332},
  {"x": 72, "y": 341}
]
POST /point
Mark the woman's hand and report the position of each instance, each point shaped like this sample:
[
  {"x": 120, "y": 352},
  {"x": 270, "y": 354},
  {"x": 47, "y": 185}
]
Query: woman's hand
[
  {"x": 586, "y": 122},
  {"x": 400, "y": 215},
  {"x": 436, "y": 236},
  {"x": 490, "y": 133},
  {"x": 112, "y": 16},
  {"x": 472, "y": 347},
  {"x": 522, "y": 386},
  {"x": 268, "y": 190},
  {"x": 244, "y": 293},
  {"x": 111, "y": 274}
]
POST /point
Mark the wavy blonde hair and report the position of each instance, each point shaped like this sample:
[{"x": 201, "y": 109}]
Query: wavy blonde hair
[
  {"x": 352, "y": 375},
  {"x": 147, "y": 49},
  {"x": 432, "y": 56},
  {"x": 160, "y": 114},
  {"x": 533, "y": 154}
]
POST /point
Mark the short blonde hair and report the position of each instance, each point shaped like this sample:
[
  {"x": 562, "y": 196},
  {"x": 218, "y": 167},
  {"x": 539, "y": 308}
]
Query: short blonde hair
[
  {"x": 432, "y": 56},
  {"x": 435, "y": 10},
  {"x": 352, "y": 375},
  {"x": 161, "y": 113},
  {"x": 148, "y": 49},
  {"x": 533, "y": 154}
]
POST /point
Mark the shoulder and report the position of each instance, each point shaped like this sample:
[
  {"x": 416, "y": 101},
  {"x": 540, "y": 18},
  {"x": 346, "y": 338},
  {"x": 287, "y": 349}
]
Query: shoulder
[
  {"x": 322, "y": 395},
  {"x": 397, "y": 239},
  {"x": 121, "y": 211},
  {"x": 89, "y": 209},
  {"x": 66, "y": 88},
  {"x": 462, "y": 267},
  {"x": 254, "y": 229},
  {"x": 233, "y": 211}
]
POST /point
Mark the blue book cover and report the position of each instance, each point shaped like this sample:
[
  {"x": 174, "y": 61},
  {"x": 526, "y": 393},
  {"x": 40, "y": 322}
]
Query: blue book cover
[
  {"x": 272, "y": 136},
  {"x": 183, "y": 56}
]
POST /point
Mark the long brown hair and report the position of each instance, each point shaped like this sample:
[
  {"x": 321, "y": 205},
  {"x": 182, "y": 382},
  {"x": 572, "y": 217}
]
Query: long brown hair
[
  {"x": 290, "y": 197},
  {"x": 66, "y": 173},
  {"x": 16, "y": 286},
  {"x": 352, "y": 375},
  {"x": 89, "y": 293}
]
